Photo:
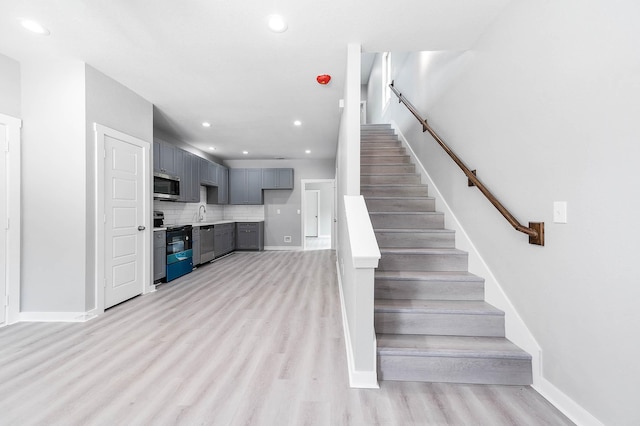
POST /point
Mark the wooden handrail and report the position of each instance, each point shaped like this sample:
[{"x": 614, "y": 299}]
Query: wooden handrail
[{"x": 535, "y": 230}]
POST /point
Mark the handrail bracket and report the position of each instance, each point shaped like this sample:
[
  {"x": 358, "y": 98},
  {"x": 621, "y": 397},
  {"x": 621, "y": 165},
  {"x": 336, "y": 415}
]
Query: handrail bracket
[{"x": 537, "y": 239}]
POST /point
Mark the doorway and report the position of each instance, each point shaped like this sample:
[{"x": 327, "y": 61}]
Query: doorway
[
  {"x": 318, "y": 214},
  {"x": 9, "y": 220},
  {"x": 123, "y": 255}
]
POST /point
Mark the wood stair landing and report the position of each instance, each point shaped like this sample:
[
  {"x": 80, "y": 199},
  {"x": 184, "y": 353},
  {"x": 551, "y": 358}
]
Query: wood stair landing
[{"x": 431, "y": 320}]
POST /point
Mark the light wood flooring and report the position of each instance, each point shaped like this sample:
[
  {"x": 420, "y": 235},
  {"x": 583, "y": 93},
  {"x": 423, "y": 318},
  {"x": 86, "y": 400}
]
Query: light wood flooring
[{"x": 252, "y": 339}]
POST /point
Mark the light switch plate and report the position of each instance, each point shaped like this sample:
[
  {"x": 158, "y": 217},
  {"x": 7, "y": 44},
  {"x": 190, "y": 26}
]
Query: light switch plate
[{"x": 560, "y": 212}]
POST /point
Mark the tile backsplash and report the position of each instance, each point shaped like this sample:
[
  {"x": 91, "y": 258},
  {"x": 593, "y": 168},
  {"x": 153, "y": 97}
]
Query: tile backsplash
[{"x": 186, "y": 213}]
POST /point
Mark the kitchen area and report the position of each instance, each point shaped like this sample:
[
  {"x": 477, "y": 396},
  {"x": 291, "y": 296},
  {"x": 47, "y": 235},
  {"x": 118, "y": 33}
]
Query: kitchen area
[{"x": 204, "y": 210}]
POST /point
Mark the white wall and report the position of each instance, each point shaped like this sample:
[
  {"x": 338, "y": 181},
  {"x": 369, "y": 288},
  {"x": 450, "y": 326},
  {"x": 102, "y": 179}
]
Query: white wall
[
  {"x": 53, "y": 187},
  {"x": 289, "y": 221},
  {"x": 9, "y": 86},
  {"x": 545, "y": 106},
  {"x": 113, "y": 105}
]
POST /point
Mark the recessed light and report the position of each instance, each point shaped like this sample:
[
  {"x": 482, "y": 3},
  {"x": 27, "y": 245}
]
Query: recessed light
[
  {"x": 206, "y": 124},
  {"x": 277, "y": 24},
  {"x": 212, "y": 148},
  {"x": 35, "y": 27},
  {"x": 297, "y": 123},
  {"x": 308, "y": 151},
  {"x": 245, "y": 152}
]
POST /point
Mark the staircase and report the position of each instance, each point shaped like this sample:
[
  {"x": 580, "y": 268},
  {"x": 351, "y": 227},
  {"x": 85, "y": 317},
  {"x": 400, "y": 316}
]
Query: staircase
[{"x": 431, "y": 320}]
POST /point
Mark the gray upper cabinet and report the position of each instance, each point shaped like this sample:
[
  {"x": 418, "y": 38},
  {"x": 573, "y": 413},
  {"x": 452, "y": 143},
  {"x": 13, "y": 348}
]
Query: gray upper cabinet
[
  {"x": 277, "y": 178},
  {"x": 190, "y": 178},
  {"x": 208, "y": 173},
  {"x": 245, "y": 186},
  {"x": 223, "y": 185},
  {"x": 164, "y": 158}
]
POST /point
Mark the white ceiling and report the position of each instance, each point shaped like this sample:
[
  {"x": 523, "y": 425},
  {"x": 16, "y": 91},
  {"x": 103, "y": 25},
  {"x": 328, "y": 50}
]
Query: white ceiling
[{"x": 216, "y": 61}]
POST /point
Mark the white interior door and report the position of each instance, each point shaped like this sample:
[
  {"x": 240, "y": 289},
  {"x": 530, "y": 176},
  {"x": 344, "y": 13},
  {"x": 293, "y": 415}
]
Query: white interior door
[
  {"x": 312, "y": 200},
  {"x": 4, "y": 214},
  {"x": 125, "y": 222}
]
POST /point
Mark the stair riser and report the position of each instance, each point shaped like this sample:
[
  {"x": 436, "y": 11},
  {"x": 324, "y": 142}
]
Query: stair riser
[
  {"x": 387, "y": 136},
  {"x": 365, "y": 150},
  {"x": 380, "y": 169},
  {"x": 439, "y": 324},
  {"x": 423, "y": 262},
  {"x": 401, "y": 205},
  {"x": 381, "y": 159},
  {"x": 407, "y": 179},
  {"x": 455, "y": 370},
  {"x": 374, "y": 146},
  {"x": 402, "y": 221},
  {"x": 390, "y": 289},
  {"x": 395, "y": 191},
  {"x": 416, "y": 239}
]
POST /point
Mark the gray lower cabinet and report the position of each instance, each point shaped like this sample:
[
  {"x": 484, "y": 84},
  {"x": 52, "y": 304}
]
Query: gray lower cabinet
[
  {"x": 250, "y": 236},
  {"x": 159, "y": 255},
  {"x": 195, "y": 245},
  {"x": 224, "y": 239},
  {"x": 245, "y": 186}
]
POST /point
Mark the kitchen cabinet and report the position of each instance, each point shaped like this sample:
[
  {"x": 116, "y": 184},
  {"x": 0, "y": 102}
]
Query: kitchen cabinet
[
  {"x": 250, "y": 236},
  {"x": 189, "y": 177},
  {"x": 245, "y": 186},
  {"x": 224, "y": 239},
  {"x": 159, "y": 255},
  {"x": 219, "y": 194},
  {"x": 277, "y": 178},
  {"x": 195, "y": 245},
  {"x": 164, "y": 158},
  {"x": 208, "y": 173}
]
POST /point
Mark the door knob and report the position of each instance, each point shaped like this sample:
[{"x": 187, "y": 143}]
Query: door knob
[{"x": 141, "y": 228}]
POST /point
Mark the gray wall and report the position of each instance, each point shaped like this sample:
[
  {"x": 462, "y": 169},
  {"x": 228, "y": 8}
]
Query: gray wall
[
  {"x": 545, "y": 107},
  {"x": 9, "y": 87},
  {"x": 288, "y": 222},
  {"x": 113, "y": 105}
]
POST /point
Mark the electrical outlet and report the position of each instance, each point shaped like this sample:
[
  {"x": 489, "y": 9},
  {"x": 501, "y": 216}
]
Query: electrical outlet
[{"x": 287, "y": 238}]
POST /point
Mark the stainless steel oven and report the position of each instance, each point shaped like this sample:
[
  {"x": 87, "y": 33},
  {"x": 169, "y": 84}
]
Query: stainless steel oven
[{"x": 179, "y": 251}]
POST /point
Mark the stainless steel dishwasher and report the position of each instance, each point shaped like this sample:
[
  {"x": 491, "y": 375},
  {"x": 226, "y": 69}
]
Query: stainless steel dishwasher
[{"x": 206, "y": 243}]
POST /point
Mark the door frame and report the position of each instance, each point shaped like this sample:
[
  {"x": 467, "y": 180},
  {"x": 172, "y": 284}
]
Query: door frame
[
  {"x": 100, "y": 132},
  {"x": 303, "y": 200},
  {"x": 14, "y": 225}
]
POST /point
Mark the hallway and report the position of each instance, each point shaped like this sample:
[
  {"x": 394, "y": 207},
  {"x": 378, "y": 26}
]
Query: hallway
[{"x": 254, "y": 338}]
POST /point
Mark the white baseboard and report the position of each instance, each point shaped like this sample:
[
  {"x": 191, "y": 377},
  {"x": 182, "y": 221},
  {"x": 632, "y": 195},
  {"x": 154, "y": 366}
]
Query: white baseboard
[
  {"x": 283, "y": 248},
  {"x": 57, "y": 316},
  {"x": 568, "y": 406},
  {"x": 357, "y": 379}
]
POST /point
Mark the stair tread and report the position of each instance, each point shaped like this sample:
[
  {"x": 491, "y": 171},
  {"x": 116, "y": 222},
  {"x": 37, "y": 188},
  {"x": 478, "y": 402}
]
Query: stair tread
[
  {"x": 427, "y": 276},
  {"x": 464, "y": 307},
  {"x": 394, "y": 185},
  {"x": 449, "y": 346},
  {"x": 398, "y": 197},
  {"x": 408, "y": 213},
  {"x": 418, "y": 250},
  {"x": 415, "y": 231}
]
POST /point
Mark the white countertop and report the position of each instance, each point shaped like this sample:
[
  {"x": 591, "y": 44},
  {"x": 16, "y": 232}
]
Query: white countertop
[{"x": 208, "y": 223}]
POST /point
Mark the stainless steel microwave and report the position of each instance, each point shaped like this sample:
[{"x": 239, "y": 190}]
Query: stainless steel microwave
[{"x": 166, "y": 187}]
